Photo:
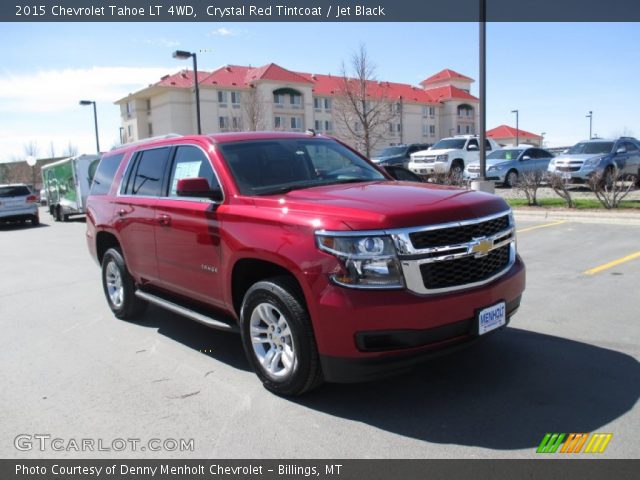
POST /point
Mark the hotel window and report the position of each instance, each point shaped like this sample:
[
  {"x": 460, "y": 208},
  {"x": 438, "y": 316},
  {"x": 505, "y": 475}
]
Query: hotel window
[
  {"x": 236, "y": 123},
  {"x": 148, "y": 105},
  {"x": 317, "y": 125},
  {"x": 425, "y": 130},
  {"x": 296, "y": 123},
  {"x": 296, "y": 100},
  {"x": 150, "y": 130},
  {"x": 327, "y": 104},
  {"x": 317, "y": 103},
  {"x": 222, "y": 98},
  {"x": 328, "y": 126},
  {"x": 235, "y": 99},
  {"x": 278, "y": 122},
  {"x": 425, "y": 112},
  {"x": 432, "y": 130},
  {"x": 278, "y": 99},
  {"x": 223, "y": 123}
]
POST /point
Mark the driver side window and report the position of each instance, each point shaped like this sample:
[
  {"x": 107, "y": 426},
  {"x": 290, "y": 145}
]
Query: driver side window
[{"x": 190, "y": 162}]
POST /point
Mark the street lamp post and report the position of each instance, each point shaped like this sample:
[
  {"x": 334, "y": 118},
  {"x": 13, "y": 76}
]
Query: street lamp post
[
  {"x": 590, "y": 117},
  {"x": 542, "y": 139},
  {"x": 183, "y": 55},
  {"x": 95, "y": 120},
  {"x": 517, "y": 126}
]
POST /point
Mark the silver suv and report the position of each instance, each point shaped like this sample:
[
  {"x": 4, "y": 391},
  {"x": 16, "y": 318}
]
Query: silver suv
[
  {"x": 18, "y": 203},
  {"x": 598, "y": 156}
]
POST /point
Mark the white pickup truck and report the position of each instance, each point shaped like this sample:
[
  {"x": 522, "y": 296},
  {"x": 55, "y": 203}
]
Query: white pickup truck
[{"x": 449, "y": 155}]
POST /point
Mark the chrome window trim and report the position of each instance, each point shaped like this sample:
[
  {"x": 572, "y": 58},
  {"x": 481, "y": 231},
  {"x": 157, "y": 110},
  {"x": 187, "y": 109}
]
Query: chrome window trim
[{"x": 119, "y": 193}]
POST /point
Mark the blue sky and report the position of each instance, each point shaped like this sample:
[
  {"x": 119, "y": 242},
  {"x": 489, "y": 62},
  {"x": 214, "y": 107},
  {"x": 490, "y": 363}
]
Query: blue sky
[{"x": 553, "y": 73}]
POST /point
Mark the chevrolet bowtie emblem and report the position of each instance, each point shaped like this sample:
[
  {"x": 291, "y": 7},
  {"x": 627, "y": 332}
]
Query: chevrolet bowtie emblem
[{"x": 480, "y": 247}]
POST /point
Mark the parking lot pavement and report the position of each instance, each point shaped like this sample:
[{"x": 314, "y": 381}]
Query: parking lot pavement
[{"x": 567, "y": 363}]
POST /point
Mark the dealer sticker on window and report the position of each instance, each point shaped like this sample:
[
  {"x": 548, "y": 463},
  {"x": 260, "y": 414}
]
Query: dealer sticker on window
[{"x": 491, "y": 318}]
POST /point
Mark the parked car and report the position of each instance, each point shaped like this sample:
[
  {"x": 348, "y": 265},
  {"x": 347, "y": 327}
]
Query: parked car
[
  {"x": 342, "y": 275},
  {"x": 449, "y": 155},
  {"x": 399, "y": 155},
  {"x": 507, "y": 164},
  {"x": 598, "y": 156},
  {"x": 43, "y": 197},
  {"x": 18, "y": 204}
]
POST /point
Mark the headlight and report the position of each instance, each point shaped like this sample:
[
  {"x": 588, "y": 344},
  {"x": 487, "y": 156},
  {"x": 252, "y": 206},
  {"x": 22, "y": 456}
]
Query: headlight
[
  {"x": 365, "y": 261},
  {"x": 592, "y": 162},
  {"x": 492, "y": 169},
  {"x": 442, "y": 158}
]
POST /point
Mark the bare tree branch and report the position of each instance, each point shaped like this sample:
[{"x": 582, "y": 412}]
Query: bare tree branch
[
  {"x": 253, "y": 106},
  {"x": 362, "y": 105}
]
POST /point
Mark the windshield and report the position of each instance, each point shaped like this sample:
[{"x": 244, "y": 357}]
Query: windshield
[
  {"x": 450, "y": 143},
  {"x": 268, "y": 167},
  {"x": 15, "y": 191},
  {"x": 391, "y": 151},
  {"x": 504, "y": 154},
  {"x": 590, "y": 147}
]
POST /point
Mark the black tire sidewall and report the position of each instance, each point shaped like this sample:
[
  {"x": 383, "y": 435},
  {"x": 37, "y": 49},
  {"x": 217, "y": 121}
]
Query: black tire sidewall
[
  {"x": 292, "y": 307},
  {"x": 128, "y": 309},
  {"x": 507, "y": 180}
]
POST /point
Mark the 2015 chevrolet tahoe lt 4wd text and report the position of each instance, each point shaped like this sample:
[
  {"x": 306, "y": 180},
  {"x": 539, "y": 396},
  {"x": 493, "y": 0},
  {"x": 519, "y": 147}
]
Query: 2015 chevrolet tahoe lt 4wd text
[{"x": 328, "y": 268}]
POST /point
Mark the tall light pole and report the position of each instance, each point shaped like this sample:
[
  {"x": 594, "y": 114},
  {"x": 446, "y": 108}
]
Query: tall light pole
[
  {"x": 542, "y": 139},
  {"x": 95, "y": 120},
  {"x": 483, "y": 90},
  {"x": 590, "y": 117},
  {"x": 183, "y": 55},
  {"x": 517, "y": 126}
]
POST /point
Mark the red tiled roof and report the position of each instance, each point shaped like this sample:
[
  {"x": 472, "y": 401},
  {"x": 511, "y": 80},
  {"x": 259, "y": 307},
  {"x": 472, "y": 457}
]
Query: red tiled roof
[
  {"x": 505, "y": 131},
  {"x": 237, "y": 76},
  {"x": 446, "y": 74},
  {"x": 182, "y": 79}
]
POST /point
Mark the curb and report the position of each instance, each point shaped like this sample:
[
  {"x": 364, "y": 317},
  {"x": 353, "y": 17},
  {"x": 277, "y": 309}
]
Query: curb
[{"x": 598, "y": 216}]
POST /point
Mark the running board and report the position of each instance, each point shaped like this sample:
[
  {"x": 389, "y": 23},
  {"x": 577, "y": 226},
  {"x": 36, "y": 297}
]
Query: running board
[{"x": 186, "y": 312}]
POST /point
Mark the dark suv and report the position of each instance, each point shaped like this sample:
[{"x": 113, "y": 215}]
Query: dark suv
[
  {"x": 329, "y": 268},
  {"x": 398, "y": 155}
]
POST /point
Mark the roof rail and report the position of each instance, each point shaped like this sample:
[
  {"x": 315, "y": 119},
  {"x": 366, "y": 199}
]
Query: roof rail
[{"x": 150, "y": 139}]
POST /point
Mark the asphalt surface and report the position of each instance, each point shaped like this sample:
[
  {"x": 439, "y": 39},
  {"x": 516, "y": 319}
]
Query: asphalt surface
[{"x": 567, "y": 363}]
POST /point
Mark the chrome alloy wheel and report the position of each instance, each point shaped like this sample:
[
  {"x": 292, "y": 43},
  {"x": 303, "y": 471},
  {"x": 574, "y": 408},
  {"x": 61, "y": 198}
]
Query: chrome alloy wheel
[
  {"x": 115, "y": 288},
  {"x": 272, "y": 341}
]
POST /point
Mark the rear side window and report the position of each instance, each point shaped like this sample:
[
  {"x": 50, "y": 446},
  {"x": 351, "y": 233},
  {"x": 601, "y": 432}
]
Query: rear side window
[
  {"x": 16, "y": 191},
  {"x": 103, "y": 178},
  {"x": 146, "y": 176}
]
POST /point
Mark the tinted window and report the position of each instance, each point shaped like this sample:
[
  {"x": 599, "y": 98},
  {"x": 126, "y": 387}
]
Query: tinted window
[
  {"x": 472, "y": 142},
  {"x": 504, "y": 154},
  {"x": 631, "y": 147},
  {"x": 146, "y": 178},
  {"x": 103, "y": 177},
  {"x": 453, "y": 143},
  {"x": 16, "y": 191},
  {"x": 590, "y": 147},
  {"x": 190, "y": 162}
]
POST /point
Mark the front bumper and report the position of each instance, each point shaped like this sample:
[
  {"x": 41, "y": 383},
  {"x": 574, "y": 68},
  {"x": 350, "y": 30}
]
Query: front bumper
[
  {"x": 580, "y": 176},
  {"x": 366, "y": 334},
  {"x": 424, "y": 168}
]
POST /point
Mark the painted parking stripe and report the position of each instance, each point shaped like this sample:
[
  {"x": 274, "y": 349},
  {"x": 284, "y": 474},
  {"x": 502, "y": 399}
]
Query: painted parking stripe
[
  {"x": 544, "y": 225},
  {"x": 613, "y": 263}
]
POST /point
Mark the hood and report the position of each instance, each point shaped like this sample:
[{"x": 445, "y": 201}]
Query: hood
[
  {"x": 579, "y": 156},
  {"x": 440, "y": 151},
  {"x": 381, "y": 205},
  {"x": 386, "y": 158}
]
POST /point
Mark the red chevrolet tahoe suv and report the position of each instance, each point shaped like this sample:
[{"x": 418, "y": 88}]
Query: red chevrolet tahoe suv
[{"x": 328, "y": 268}]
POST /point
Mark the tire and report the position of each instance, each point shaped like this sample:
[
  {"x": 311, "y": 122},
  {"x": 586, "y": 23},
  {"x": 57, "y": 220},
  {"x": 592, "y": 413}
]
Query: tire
[
  {"x": 511, "y": 178},
  {"x": 35, "y": 221},
  {"x": 278, "y": 338},
  {"x": 457, "y": 169},
  {"x": 119, "y": 287}
]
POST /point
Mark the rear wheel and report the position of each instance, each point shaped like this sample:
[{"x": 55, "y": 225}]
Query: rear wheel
[
  {"x": 35, "y": 220},
  {"x": 119, "y": 287},
  {"x": 278, "y": 338},
  {"x": 511, "y": 179}
]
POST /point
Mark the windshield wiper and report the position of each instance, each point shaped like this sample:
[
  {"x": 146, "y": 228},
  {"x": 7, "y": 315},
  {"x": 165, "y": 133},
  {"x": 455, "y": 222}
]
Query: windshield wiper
[{"x": 301, "y": 186}]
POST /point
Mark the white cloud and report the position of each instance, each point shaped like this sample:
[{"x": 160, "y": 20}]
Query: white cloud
[
  {"x": 161, "y": 42},
  {"x": 55, "y": 90},
  {"x": 226, "y": 32}
]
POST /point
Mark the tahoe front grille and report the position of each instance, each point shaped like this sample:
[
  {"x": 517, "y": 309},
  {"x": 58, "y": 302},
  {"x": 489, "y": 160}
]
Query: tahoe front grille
[
  {"x": 466, "y": 270},
  {"x": 458, "y": 234}
]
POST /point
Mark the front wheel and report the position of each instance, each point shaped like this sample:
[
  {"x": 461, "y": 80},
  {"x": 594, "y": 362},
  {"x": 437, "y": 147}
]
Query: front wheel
[
  {"x": 119, "y": 287},
  {"x": 278, "y": 338},
  {"x": 511, "y": 179}
]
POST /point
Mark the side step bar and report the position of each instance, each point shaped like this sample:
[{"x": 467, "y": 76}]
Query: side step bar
[{"x": 186, "y": 312}]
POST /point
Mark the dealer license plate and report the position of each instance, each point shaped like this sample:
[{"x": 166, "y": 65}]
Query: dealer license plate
[{"x": 492, "y": 317}]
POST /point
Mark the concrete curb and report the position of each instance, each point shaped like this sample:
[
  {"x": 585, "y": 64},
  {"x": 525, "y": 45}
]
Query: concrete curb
[{"x": 616, "y": 217}]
